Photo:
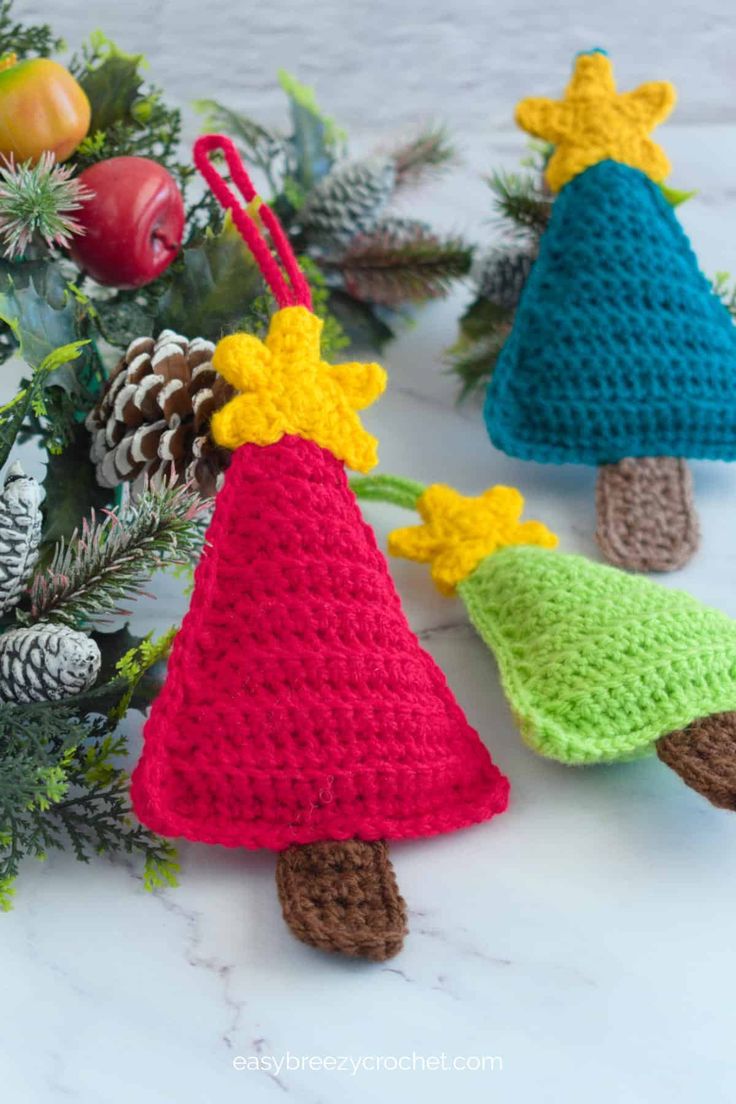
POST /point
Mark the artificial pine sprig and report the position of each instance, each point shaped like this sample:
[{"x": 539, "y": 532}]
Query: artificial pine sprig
[
  {"x": 426, "y": 154},
  {"x": 332, "y": 208},
  {"x": 112, "y": 556},
  {"x": 62, "y": 785},
  {"x": 37, "y": 204},
  {"x": 521, "y": 201},
  {"x": 401, "y": 262}
]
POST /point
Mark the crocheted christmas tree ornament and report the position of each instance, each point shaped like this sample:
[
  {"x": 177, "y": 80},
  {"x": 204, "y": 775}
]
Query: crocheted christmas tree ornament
[
  {"x": 299, "y": 712},
  {"x": 598, "y": 665},
  {"x": 622, "y": 355}
]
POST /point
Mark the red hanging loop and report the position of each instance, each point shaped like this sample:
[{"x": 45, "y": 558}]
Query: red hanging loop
[{"x": 286, "y": 280}]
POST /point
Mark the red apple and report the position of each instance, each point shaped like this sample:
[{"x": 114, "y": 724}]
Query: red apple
[{"x": 133, "y": 224}]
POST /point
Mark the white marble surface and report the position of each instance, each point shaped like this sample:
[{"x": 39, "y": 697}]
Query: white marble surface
[{"x": 586, "y": 937}]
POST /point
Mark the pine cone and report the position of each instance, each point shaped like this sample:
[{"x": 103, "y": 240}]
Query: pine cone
[
  {"x": 348, "y": 202},
  {"x": 500, "y": 275},
  {"x": 46, "y": 663},
  {"x": 20, "y": 533},
  {"x": 154, "y": 414}
]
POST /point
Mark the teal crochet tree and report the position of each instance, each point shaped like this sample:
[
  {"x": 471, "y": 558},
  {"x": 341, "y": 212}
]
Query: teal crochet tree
[
  {"x": 622, "y": 355},
  {"x": 598, "y": 666}
]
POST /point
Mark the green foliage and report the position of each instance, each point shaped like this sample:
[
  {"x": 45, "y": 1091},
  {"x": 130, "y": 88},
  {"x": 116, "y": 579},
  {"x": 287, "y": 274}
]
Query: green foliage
[
  {"x": 409, "y": 267},
  {"x": 38, "y": 201},
  {"x": 62, "y": 786},
  {"x": 136, "y": 664},
  {"x": 211, "y": 286},
  {"x": 30, "y": 398},
  {"x": 26, "y": 40},
  {"x": 484, "y": 328},
  {"x": 110, "y": 558},
  {"x": 425, "y": 154},
  {"x": 334, "y": 337},
  {"x": 315, "y": 138},
  {"x": 112, "y": 81},
  {"x": 72, "y": 491},
  {"x": 522, "y": 204},
  {"x": 374, "y": 279},
  {"x": 37, "y": 307},
  {"x": 725, "y": 289},
  {"x": 521, "y": 201}
]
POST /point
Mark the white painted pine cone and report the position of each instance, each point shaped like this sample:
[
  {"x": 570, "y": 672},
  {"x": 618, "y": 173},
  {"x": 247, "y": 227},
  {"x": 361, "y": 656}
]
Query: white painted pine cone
[{"x": 46, "y": 662}]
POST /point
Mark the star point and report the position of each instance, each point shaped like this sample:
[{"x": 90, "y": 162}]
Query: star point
[
  {"x": 287, "y": 389},
  {"x": 594, "y": 122},
  {"x": 458, "y": 532}
]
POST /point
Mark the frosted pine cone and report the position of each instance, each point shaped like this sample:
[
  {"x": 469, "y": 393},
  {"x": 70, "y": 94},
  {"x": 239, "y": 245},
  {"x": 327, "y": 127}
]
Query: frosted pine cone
[
  {"x": 348, "y": 201},
  {"x": 20, "y": 533},
  {"x": 46, "y": 663},
  {"x": 154, "y": 415},
  {"x": 501, "y": 275}
]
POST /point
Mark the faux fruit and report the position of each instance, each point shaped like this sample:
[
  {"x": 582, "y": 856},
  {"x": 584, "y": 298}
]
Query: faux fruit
[
  {"x": 133, "y": 225},
  {"x": 41, "y": 108}
]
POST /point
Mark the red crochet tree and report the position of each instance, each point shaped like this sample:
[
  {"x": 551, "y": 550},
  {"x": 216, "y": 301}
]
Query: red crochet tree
[{"x": 300, "y": 713}]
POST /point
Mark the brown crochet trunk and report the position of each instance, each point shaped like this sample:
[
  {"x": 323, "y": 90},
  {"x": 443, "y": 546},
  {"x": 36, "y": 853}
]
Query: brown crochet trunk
[
  {"x": 704, "y": 756},
  {"x": 342, "y": 896},
  {"x": 646, "y": 513}
]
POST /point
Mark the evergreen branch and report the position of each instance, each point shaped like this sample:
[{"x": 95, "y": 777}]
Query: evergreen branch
[
  {"x": 521, "y": 199},
  {"x": 111, "y": 558},
  {"x": 26, "y": 40},
  {"x": 484, "y": 329},
  {"x": 426, "y": 154},
  {"x": 60, "y": 786},
  {"x": 394, "y": 268}
]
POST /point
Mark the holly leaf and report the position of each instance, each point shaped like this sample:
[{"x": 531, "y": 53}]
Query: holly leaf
[
  {"x": 72, "y": 491},
  {"x": 315, "y": 136},
  {"x": 35, "y": 303},
  {"x": 112, "y": 85},
  {"x": 212, "y": 286}
]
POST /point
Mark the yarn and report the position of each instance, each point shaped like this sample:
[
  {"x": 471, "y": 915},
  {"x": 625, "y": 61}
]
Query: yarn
[
  {"x": 597, "y": 665},
  {"x": 298, "y": 705},
  {"x": 458, "y": 532},
  {"x": 594, "y": 122},
  {"x": 646, "y": 513},
  {"x": 704, "y": 755},
  {"x": 299, "y": 711},
  {"x": 289, "y": 389},
  {"x": 343, "y": 897},
  {"x": 620, "y": 346}
]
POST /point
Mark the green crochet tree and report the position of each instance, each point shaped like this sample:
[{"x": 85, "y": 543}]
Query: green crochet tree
[{"x": 597, "y": 665}]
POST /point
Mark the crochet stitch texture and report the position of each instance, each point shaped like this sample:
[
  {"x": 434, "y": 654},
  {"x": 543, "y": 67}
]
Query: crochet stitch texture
[
  {"x": 298, "y": 705},
  {"x": 288, "y": 389},
  {"x": 595, "y": 122},
  {"x": 459, "y": 531},
  {"x": 598, "y": 664},
  {"x": 620, "y": 346}
]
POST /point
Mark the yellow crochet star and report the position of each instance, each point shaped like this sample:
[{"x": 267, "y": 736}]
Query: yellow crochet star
[
  {"x": 459, "y": 531},
  {"x": 596, "y": 123},
  {"x": 288, "y": 389}
]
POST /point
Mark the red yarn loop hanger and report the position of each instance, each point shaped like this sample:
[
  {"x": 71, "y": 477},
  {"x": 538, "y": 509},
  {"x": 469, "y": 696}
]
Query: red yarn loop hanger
[{"x": 282, "y": 272}]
